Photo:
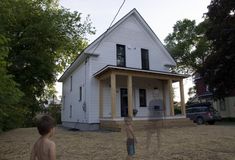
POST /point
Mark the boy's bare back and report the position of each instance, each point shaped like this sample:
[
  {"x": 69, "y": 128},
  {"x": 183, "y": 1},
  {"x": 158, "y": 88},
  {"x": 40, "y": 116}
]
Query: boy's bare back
[{"x": 44, "y": 149}]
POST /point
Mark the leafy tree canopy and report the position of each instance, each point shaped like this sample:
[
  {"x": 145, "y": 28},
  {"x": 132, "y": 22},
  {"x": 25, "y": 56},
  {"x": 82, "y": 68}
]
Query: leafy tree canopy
[
  {"x": 43, "y": 40},
  {"x": 219, "y": 69},
  {"x": 9, "y": 93},
  {"x": 188, "y": 45}
]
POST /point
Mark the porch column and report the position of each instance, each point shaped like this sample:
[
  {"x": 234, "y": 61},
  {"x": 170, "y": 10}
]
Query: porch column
[
  {"x": 101, "y": 98},
  {"x": 113, "y": 94},
  {"x": 182, "y": 97},
  {"x": 130, "y": 96},
  {"x": 163, "y": 98},
  {"x": 172, "y": 112}
]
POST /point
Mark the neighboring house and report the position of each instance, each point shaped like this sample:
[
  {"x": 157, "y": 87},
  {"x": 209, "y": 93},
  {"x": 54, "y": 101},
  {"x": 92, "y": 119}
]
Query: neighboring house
[
  {"x": 225, "y": 107},
  {"x": 126, "y": 68}
]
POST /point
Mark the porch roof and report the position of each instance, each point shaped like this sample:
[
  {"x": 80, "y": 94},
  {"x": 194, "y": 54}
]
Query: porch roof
[{"x": 137, "y": 73}]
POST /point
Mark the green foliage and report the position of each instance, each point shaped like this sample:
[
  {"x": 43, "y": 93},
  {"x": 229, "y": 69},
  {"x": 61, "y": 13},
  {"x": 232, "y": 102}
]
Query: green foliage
[
  {"x": 219, "y": 69},
  {"x": 55, "y": 111},
  {"x": 177, "y": 108},
  {"x": 43, "y": 40},
  {"x": 188, "y": 45},
  {"x": 192, "y": 91},
  {"x": 9, "y": 93}
]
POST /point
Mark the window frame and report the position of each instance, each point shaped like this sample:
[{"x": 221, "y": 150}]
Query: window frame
[
  {"x": 70, "y": 111},
  {"x": 144, "y": 59},
  {"x": 80, "y": 93},
  {"x": 122, "y": 55},
  {"x": 142, "y": 98}
]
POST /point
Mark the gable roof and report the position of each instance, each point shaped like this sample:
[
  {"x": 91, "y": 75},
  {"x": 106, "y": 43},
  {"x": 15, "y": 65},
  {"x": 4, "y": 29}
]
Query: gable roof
[{"x": 97, "y": 42}]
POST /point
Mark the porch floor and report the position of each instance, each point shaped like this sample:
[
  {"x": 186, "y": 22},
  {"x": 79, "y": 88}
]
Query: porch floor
[{"x": 117, "y": 124}]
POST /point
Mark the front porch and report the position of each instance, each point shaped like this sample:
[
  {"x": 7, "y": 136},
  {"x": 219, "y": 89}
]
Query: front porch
[{"x": 159, "y": 107}]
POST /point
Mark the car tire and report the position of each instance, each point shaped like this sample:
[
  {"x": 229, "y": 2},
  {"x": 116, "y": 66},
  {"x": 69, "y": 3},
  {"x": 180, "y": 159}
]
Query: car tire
[
  {"x": 200, "y": 120},
  {"x": 211, "y": 122}
]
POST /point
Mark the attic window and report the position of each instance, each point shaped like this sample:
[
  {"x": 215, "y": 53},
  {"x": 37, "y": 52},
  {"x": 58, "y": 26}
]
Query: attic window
[
  {"x": 121, "y": 55},
  {"x": 145, "y": 59}
]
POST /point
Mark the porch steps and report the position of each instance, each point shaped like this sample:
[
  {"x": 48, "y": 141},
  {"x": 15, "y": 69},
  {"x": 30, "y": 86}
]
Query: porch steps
[{"x": 146, "y": 124}]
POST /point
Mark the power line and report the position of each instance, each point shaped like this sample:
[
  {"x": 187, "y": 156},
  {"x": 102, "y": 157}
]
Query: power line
[
  {"x": 109, "y": 26},
  {"x": 117, "y": 13}
]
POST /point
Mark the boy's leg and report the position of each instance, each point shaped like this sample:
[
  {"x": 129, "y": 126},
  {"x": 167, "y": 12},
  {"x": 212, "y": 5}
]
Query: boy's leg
[{"x": 130, "y": 150}]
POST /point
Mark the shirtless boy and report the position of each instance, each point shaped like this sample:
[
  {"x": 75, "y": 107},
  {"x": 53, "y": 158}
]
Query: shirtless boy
[
  {"x": 131, "y": 139},
  {"x": 44, "y": 148}
]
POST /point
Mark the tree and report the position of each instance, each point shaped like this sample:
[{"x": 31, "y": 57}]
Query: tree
[
  {"x": 192, "y": 91},
  {"x": 43, "y": 40},
  {"x": 219, "y": 69},
  {"x": 188, "y": 45},
  {"x": 9, "y": 93}
]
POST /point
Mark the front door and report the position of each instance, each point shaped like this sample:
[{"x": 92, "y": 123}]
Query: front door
[{"x": 124, "y": 102}]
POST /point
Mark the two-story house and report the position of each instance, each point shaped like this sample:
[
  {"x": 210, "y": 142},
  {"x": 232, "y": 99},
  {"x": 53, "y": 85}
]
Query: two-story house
[{"x": 127, "y": 68}]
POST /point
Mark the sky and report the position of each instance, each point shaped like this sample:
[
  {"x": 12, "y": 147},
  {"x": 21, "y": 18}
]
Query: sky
[{"x": 161, "y": 15}]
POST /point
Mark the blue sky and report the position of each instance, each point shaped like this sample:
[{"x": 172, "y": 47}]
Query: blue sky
[{"x": 161, "y": 15}]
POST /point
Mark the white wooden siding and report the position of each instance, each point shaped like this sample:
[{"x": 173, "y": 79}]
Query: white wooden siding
[
  {"x": 131, "y": 34},
  {"x": 72, "y": 97}
]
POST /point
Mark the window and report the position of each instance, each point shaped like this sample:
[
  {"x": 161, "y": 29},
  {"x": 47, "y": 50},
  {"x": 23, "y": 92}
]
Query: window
[
  {"x": 80, "y": 93},
  {"x": 71, "y": 83},
  {"x": 63, "y": 102},
  {"x": 142, "y": 94},
  {"x": 222, "y": 105},
  {"x": 121, "y": 55},
  {"x": 145, "y": 59},
  {"x": 70, "y": 111}
]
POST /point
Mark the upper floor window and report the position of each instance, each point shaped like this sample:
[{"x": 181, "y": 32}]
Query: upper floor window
[
  {"x": 145, "y": 59},
  {"x": 71, "y": 83},
  {"x": 121, "y": 55}
]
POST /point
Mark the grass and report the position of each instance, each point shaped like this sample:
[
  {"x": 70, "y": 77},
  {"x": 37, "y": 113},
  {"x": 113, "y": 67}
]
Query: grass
[{"x": 208, "y": 142}]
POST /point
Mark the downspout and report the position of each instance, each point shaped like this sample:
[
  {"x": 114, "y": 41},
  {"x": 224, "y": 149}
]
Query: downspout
[{"x": 85, "y": 89}]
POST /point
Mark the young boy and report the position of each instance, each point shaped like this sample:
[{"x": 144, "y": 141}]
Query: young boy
[
  {"x": 44, "y": 148},
  {"x": 131, "y": 139}
]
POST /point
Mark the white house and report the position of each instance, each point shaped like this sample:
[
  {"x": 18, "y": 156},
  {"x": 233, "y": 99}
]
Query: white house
[{"x": 126, "y": 68}]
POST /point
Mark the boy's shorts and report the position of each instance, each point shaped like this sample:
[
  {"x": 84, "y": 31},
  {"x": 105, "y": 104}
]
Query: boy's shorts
[{"x": 130, "y": 147}]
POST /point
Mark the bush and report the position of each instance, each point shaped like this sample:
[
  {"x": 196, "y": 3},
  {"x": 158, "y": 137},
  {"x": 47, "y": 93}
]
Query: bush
[
  {"x": 11, "y": 117},
  {"x": 55, "y": 111},
  {"x": 177, "y": 111}
]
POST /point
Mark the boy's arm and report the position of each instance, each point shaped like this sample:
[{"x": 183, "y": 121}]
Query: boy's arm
[{"x": 52, "y": 151}]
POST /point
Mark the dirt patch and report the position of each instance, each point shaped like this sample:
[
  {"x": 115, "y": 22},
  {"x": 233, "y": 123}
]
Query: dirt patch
[{"x": 189, "y": 143}]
